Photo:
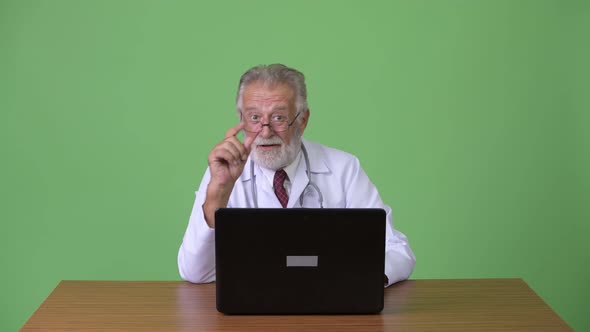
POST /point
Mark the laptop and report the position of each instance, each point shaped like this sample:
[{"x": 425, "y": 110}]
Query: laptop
[{"x": 300, "y": 261}]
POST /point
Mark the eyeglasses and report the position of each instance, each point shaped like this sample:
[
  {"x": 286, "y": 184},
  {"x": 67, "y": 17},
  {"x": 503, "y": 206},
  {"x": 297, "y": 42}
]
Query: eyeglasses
[{"x": 278, "y": 122}]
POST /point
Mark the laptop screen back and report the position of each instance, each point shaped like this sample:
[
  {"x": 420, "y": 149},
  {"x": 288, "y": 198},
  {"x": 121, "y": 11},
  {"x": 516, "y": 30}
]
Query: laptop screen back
[{"x": 297, "y": 261}]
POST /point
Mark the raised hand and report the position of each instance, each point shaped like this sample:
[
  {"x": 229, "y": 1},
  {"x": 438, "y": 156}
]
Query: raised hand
[{"x": 226, "y": 163}]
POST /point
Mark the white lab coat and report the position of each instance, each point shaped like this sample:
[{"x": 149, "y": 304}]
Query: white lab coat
[{"x": 343, "y": 184}]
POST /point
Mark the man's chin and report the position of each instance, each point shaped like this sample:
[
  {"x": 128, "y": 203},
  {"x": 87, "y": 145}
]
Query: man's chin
[
  {"x": 275, "y": 156},
  {"x": 268, "y": 159}
]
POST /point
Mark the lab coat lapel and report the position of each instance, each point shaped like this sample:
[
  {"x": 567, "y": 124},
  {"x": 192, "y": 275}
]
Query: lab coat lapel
[
  {"x": 298, "y": 184},
  {"x": 266, "y": 195},
  {"x": 317, "y": 159}
]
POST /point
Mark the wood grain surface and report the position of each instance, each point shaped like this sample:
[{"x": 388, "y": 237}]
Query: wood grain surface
[{"x": 414, "y": 305}]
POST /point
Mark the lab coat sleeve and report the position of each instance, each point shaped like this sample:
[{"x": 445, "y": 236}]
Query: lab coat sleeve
[
  {"x": 196, "y": 256},
  {"x": 361, "y": 193}
]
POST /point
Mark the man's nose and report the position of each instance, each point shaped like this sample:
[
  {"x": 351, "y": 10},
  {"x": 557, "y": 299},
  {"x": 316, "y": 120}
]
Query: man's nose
[{"x": 266, "y": 131}]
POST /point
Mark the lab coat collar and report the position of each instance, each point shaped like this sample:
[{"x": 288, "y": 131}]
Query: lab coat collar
[{"x": 317, "y": 159}]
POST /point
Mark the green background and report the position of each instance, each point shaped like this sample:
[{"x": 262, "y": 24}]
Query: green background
[{"x": 471, "y": 117}]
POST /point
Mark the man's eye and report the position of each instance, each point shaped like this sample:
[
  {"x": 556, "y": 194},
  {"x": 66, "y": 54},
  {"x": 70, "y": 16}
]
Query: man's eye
[
  {"x": 279, "y": 118},
  {"x": 254, "y": 118}
]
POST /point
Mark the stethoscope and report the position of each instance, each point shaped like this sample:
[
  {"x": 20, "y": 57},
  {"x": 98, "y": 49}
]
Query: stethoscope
[{"x": 309, "y": 184}]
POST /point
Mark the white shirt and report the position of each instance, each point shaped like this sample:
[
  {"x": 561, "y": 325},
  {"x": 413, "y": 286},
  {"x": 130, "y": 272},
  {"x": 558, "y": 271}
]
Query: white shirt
[{"x": 343, "y": 184}]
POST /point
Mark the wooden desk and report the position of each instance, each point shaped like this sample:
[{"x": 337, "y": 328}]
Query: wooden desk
[{"x": 417, "y": 305}]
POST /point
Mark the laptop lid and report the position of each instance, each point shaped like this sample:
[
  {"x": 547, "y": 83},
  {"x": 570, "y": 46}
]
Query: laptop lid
[{"x": 300, "y": 261}]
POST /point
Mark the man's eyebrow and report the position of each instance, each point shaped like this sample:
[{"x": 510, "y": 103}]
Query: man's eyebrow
[{"x": 251, "y": 109}]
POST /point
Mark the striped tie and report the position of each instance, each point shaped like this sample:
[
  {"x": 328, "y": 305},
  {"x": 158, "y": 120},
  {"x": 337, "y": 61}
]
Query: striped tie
[{"x": 280, "y": 191}]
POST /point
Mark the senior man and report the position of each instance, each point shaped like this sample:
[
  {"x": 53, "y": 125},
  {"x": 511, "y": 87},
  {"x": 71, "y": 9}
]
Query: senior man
[{"x": 273, "y": 112}]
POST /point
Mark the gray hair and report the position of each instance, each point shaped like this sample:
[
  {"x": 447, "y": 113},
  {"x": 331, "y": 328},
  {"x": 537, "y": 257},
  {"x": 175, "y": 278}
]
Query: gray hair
[{"x": 275, "y": 74}]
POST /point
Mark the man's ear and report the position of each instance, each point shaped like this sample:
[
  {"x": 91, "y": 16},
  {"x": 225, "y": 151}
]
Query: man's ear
[{"x": 304, "y": 119}]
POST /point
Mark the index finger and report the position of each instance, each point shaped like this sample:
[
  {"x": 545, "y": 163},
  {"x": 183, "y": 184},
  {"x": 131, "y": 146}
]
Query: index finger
[
  {"x": 233, "y": 131},
  {"x": 249, "y": 140}
]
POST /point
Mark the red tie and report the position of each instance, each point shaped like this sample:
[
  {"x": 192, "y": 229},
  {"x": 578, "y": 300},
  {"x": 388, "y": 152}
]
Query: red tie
[{"x": 280, "y": 191}]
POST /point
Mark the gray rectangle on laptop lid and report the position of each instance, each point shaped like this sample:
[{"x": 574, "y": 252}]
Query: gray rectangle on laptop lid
[{"x": 302, "y": 261}]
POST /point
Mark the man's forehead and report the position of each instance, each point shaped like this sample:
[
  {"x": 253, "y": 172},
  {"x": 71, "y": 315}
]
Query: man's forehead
[
  {"x": 268, "y": 92},
  {"x": 273, "y": 108}
]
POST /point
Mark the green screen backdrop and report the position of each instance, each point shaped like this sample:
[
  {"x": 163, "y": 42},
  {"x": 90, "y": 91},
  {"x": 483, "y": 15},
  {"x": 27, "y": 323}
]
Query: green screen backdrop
[{"x": 471, "y": 117}]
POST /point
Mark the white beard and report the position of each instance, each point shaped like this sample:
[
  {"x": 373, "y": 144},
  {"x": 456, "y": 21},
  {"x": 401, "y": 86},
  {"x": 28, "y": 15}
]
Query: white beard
[{"x": 276, "y": 158}]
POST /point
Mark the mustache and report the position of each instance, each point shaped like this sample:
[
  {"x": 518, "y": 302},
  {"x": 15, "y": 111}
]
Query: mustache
[{"x": 267, "y": 141}]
